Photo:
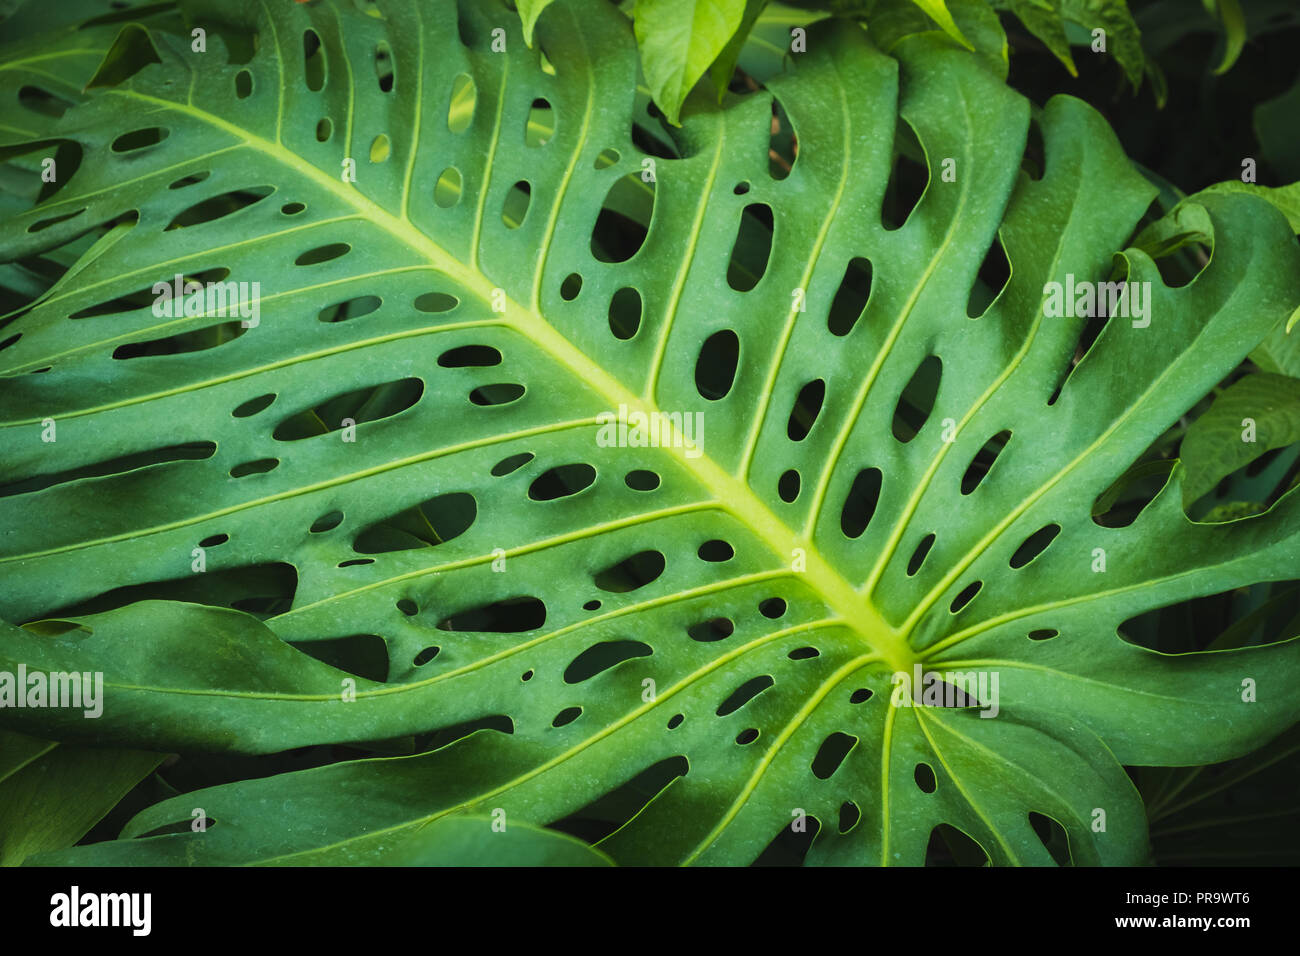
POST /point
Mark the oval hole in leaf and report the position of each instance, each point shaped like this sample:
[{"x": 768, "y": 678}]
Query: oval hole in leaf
[
  {"x": 541, "y": 123},
  {"x": 924, "y": 776},
  {"x": 350, "y": 309},
  {"x": 428, "y": 524},
  {"x": 860, "y": 504},
  {"x": 470, "y": 356},
  {"x": 515, "y": 208},
  {"x": 787, "y": 486},
  {"x": 966, "y": 596},
  {"x": 460, "y": 108},
  {"x": 807, "y": 407},
  {"x": 1035, "y": 545},
  {"x": 199, "y": 340},
  {"x": 258, "y": 467},
  {"x": 562, "y": 481},
  {"x": 361, "y": 405},
  {"x": 625, "y": 313},
  {"x": 384, "y": 67},
  {"x": 917, "y": 400},
  {"x": 831, "y": 754},
  {"x": 624, "y": 220},
  {"x": 509, "y": 616},
  {"x": 446, "y": 191},
  {"x": 714, "y": 629},
  {"x": 498, "y": 393},
  {"x": 506, "y": 465},
  {"x": 325, "y": 253},
  {"x": 313, "y": 57},
  {"x": 716, "y": 550},
  {"x": 851, "y": 297},
  {"x": 982, "y": 463},
  {"x": 743, "y": 694},
  {"x": 631, "y": 573},
  {"x": 139, "y": 139},
  {"x": 752, "y": 248},
  {"x": 641, "y": 480},
  {"x": 715, "y": 369},
  {"x": 919, "y": 555},
  {"x": 435, "y": 302},
  {"x": 254, "y": 405},
  {"x": 601, "y": 657},
  {"x": 566, "y": 716}
]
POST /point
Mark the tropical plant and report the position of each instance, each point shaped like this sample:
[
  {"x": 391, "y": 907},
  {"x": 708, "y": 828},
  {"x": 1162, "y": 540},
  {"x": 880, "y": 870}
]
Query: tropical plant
[{"x": 590, "y": 475}]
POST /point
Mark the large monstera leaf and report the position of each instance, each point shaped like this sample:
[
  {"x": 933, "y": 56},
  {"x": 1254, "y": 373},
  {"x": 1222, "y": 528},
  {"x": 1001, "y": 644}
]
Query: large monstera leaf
[{"x": 714, "y": 625}]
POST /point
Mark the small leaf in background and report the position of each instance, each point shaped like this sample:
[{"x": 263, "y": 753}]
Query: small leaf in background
[
  {"x": 678, "y": 39},
  {"x": 1262, "y": 406}
]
